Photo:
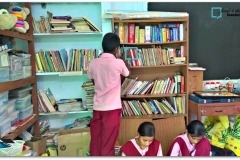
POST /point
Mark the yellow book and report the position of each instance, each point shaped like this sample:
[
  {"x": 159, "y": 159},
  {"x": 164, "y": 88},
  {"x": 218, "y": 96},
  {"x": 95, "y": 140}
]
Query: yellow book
[
  {"x": 141, "y": 35},
  {"x": 136, "y": 34},
  {"x": 164, "y": 34},
  {"x": 39, "y": 64},
  {"x": 121, "y": 32},
  {"x": 179, "y": 104}
]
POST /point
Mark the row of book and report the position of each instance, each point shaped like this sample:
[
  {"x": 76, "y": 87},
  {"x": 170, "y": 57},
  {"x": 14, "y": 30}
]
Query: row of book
[
  {"x": 173, "y": 85},
  {"x": 88, "y": 87},
  {"x": 63, "y": 24},
  {"x": 154, "y": 56},
  {"x": 62, "y": 61},
  {"x": 170, "y": 105},
  {"x": 163, "y": 32}
]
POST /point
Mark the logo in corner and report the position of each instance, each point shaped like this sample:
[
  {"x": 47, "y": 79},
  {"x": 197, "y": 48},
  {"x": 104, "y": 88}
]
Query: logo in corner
[{"x": 216, "y": 12}]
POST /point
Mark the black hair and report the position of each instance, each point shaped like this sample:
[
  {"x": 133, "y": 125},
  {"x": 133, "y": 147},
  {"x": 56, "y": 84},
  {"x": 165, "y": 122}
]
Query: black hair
[
  {"x": 146, "y": 129},
  {"x": 110, "y": 42},
  {"x": 196, "y": 128}
]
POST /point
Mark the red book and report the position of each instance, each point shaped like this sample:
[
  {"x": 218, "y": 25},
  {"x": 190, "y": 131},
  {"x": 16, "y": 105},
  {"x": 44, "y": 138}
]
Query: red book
[
  {"x": 131, "y": 32},
  {"x": 182, "y": 84}
]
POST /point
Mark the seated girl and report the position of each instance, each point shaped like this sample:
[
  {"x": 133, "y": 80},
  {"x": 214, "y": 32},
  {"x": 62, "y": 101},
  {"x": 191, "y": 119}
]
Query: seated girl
[
  {"x": 192, "y": 143},
  {"x": 144, "y": 144}
]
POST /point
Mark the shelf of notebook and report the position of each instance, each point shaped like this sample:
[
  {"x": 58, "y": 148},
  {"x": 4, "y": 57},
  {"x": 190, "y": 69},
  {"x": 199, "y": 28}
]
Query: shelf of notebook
[
  {"x": 154, "y": 116},
  {"x": 151, "y": 96},
  {"x": 15, "y": 34},
  {"x": 6, "y": 86},
  {"x": 63, "y": 113},
  {"x": 68, "y": 34},
  {"x": 73, "y": 73},
  {"x": 153, "y": 43},
  {"x": 21, "y": 127},
  {"x": 158, "y": 66}
]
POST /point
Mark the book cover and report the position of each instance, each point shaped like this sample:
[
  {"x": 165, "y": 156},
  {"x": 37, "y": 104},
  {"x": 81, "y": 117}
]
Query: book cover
[{"x": 51, "y": 97}]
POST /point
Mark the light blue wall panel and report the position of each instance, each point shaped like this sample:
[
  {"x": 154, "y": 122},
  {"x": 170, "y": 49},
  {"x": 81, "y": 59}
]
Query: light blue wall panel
[
  {"x": 63, "y": 86},
  {"x": 67, "y": 42},
  {"x": 133, "y": 6}
]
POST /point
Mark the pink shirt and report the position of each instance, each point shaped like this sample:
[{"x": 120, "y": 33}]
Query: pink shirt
[
  {"x": 176, "y": 148},
  {"x": 144, "y": 151},
  {"x": 106, "y": 71}
]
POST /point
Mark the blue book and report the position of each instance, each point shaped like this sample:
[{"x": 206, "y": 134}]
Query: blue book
[{"x": 64, "y": 57}]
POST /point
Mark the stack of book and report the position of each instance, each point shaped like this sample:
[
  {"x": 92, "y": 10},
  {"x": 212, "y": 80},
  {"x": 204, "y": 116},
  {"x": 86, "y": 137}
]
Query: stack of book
[
  {"x": 61, "y": 24},
  {"x": 89, "y": 89}
]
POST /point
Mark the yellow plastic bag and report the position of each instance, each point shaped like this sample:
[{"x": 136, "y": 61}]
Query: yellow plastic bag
[
  {"x": 233, "y": 139},
  {"x": 217, "y": 128}
]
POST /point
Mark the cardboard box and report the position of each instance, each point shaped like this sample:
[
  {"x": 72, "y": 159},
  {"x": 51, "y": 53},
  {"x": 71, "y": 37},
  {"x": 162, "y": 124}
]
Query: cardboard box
[
  {"x": 73, "y": 142},
  {"x": 37, "y": 144}
]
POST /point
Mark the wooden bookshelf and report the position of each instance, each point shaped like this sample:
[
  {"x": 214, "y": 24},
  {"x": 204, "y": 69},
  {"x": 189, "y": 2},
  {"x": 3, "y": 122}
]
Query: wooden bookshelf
[
  {"x": 156, "y": 72},
  {"x": 6, "y": 86},
  {"x": 10, "y": 85},
  {"x": 19, "y": 129},
  {"x": 15, "y": 34}
]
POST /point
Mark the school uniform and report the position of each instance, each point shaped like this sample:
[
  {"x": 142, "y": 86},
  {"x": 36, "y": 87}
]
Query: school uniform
[
  {"x": 181, "y": 146},
  {"x": 104, "y": 127},
  {"x": 131, "y": 148}
]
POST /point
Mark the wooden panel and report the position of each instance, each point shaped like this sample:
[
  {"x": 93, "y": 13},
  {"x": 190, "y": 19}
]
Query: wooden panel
[
  {"x": 128, "y": 129},
  {"x": 195, "y": 81},
  {"x": 167, "y": 130}
]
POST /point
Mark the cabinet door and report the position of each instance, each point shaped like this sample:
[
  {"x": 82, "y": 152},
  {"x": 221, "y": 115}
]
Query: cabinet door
[
  {"x": 214, "y": 111},
  {"x": 195, "y": 81},
  {"x": 168, "y": 129}
]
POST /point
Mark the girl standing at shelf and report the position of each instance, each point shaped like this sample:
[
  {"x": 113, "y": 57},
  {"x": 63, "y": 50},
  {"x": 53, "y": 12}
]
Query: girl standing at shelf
[
  {"x": 144, "y": 144},
  {"x": 105, "y": 73},
  {"x": 192, "y": 143}
]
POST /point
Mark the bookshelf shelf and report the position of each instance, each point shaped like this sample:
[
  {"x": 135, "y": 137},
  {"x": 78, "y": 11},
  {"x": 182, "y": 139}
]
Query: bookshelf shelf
[
  {"x": 153, "y": 116},
  {"x": 159, "y": 66},
  {"x": 6, "y": 86},
  {"x": 151, "y": 96},
  {"x": 152, "y": 20},
  {"x": 19, "y": 129},
  {"x": 156, "y": 43},
  {"x": 77, "y": 73},
  {"x": 15, "y": 34},
  {"x": 69, "y": 34},
  {"x": 63, "y": 113}
]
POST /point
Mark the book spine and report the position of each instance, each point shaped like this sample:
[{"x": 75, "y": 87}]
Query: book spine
[
  {"x": 121, "y": 32},
  {"x": 136, "y": 34},
  {"x": 147, "y": 34},
  {"x": 131, "y": 33}
]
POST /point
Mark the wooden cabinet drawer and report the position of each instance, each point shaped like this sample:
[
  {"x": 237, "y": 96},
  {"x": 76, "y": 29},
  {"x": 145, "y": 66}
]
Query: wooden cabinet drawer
[{"x": 214, "y": 111}]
